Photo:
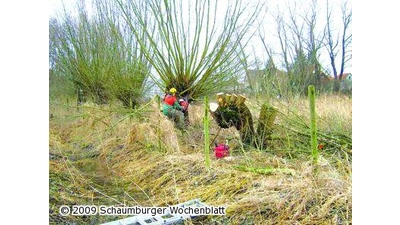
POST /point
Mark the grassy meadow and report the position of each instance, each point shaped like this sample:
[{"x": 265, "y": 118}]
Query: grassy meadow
[
  {"x": 111, "y": 155},
  {"x": 115, "y": 148}
]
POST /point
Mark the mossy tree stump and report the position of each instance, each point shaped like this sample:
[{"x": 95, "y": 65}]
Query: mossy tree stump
[
  {"x": 231, "y": 111},
  {"x": 265, "y": 125}
]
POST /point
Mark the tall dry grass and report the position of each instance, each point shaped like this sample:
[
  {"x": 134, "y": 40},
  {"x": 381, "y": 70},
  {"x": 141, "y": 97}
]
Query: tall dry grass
[{"x": 99, "y": 155}]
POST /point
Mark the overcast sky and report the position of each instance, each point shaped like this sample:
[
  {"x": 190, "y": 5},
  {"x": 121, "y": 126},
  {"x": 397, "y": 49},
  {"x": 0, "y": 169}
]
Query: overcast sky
[{"x": 274, "y": 8}]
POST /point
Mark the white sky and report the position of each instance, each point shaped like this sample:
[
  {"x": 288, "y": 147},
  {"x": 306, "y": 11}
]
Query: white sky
[{"x": 275, "y": 7}]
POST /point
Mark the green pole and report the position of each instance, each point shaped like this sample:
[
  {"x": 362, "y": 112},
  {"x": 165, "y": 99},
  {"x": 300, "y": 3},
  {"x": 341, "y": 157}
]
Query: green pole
[
  {"x": 159, "y": 122},
  {"x": 313, "y": 124},
  {"x": 206, "y": 133}
]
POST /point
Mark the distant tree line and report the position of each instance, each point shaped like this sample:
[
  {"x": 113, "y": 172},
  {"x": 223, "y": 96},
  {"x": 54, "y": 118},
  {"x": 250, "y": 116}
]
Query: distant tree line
[{"x": 121, "y": 49}]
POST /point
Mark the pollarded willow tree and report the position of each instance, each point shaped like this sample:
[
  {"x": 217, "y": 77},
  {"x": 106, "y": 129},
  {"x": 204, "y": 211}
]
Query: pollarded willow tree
[
  {"x": 194, "y": 44},
  {"x": 97, "y": 52}
]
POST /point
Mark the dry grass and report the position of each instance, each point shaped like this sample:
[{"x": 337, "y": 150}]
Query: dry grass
[
  {"x": 97, "y": 157},
  {"x": 334, "y": 111}
]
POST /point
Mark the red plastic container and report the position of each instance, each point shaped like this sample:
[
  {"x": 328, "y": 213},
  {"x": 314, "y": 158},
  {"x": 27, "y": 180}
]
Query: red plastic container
[{"x": 221, "y": 151}]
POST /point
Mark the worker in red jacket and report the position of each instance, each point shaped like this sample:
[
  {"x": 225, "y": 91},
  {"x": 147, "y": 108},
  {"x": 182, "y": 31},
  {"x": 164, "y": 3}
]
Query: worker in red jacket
[
  {"x": 172, "y": 109},
  {"x": 185, "y": 106}
]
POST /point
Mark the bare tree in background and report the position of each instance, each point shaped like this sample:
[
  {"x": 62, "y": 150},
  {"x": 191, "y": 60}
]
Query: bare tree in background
[
  {"x": 346, "y": 38},
  {"x": 284, "y": 45},
  {"x": 299, "y": 66},
  {"x": 314, "y": 43},
  {"x": 307, "y": 43},
  {"x": 301, "y": 44},
  {"x": 266, "y": 76},
  {"x": 334, "y": 46}
]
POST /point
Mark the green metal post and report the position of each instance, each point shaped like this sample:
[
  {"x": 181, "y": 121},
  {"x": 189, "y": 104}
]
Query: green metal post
[
  {"x": 313, "y": 124},
  {"x": 206, "y": 133}
]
